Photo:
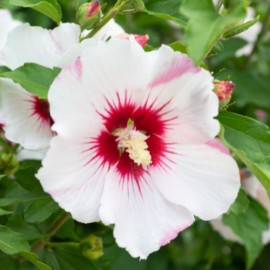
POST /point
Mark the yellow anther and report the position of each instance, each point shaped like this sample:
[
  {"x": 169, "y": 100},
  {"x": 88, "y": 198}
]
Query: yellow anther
[
  {"x": 134, "y": 143},
  {"x": 137, "y": 149}
]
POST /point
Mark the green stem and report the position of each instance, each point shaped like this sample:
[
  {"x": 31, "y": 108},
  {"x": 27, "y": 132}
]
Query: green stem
[
  {"x": 118, "y": 7},
  {"x": 63, "y": 244},
  {"x": 57, "y": 224},
  {"x": 51, "y": 231}
]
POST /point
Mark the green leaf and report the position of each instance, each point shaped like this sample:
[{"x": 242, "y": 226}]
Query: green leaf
[
  {"x": 33, "y": 258},
  {"x": 249, "y": 226},
  {"x": 50, "y": 8},
  {"x": 4, "y": 212},
  {"x": 25, "y": 197},
  {"x": 250, "y": 141},
  {"x": 17, "y": 223},
  {"x": 4, "y": 69},
  {"x": 40, "y": 210},
  {"x": 205, "y": 26},
  {"x": 12, "y": 242},
  {"x": 241, "y": 204},
  {"x": 15, "y": 194},
  {"x": 245, "y": 89},
  {"x": 241, "y": 28},
  {"x": 178, "y": 47},
  {"x": 166, "y": 9},
  {"x": 68, "y": 259},
  {"x": 26, "y": 178},
  {"x": 34, "y": 78}
]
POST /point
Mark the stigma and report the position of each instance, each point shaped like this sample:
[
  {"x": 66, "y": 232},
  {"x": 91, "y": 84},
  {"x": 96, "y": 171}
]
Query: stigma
[{"x": 134, "y": 143}]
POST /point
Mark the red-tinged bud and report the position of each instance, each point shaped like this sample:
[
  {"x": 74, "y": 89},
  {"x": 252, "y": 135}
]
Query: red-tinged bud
[
  {"x": 88, "y": 15},
  {"x": 141, "y": 39},
  {"x": 224, "y": 89},
  {"x": 93, "y": 8}
]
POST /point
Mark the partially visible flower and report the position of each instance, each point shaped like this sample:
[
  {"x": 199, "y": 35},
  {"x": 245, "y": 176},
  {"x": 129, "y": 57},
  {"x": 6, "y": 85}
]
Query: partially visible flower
[
  {"x": 25, "y": 118},
  {"x": 255, "y": 189},
  {"x": 141, "y": 39},
  {"x": 250, "y": 35},
  {"x": 7, "y": 24},
  {"x": 134, "y": 144},
  {"x": 38, "y": 45}
]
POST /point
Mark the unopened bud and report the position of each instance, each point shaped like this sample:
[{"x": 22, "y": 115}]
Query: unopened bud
[
  {"x": 8, "y": 163},
  {"x": 92, "y": 247},
  {"x": 223, "y": 90},
  {"x": 88, "y": 15}
]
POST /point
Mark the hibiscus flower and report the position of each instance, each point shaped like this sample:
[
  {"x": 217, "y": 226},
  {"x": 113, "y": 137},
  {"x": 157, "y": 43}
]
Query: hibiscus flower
[{"x": 135, "y": 144}]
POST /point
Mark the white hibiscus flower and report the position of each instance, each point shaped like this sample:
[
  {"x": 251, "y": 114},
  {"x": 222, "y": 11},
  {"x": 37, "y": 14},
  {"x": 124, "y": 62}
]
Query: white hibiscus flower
[{"x": 134, "y": 144}]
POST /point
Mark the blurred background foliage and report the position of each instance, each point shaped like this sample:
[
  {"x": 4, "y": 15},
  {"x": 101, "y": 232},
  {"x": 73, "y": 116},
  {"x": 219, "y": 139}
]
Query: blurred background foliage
[{"x": 28, "y": 211}]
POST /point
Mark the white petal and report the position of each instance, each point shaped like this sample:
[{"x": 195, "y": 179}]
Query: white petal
[
  {"x": 103, "y": 73},
  {"x": 34, "y": 44},
  {"x": 188, "y": 90},
  {"x": 200, "y": 178},
  {"x": 71, "y": 179},
  {"x": 143, "y": 219},
  {"x": 25, "y": 154},
  {"x": 7, "y": 24},
  {"x": 70, "y": 106},
  {"x": 21, "y": 125}
]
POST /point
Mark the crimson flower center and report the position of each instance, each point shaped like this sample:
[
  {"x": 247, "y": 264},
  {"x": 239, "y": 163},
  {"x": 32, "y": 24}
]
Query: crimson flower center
[
  {"x": 42, "y": 110},
  {"x": 133, "y": 138}
]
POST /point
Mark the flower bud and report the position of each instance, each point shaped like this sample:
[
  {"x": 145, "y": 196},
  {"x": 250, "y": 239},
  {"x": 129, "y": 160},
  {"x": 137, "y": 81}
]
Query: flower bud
[
  {"x": 8, "y": 163},
  {"x": 88, "y": 15},
  {"x": 223, "y": 90},
  {"x": 92, "y": 247}
]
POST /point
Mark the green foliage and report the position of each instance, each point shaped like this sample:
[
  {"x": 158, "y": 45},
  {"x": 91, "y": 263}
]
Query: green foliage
[
  {"x": 255, "y": 90},
  {"x": 241, "y": 28},
  {"x": 34, "y": 78},
  {"x": 50, "y": 8},
  {"x": 211, "y": 27},
  {"x": 241, "y": 204},
  {"x": 166, "y": 9},
  {"x": 250, "y": 141},
  {"x": 12, "y": 242},
  {"x": 68, "y": 259},
  {"x": 40, "y": 210},
  {"x": 249, "y": 226},
  {"x": 33, "y": 258}
]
